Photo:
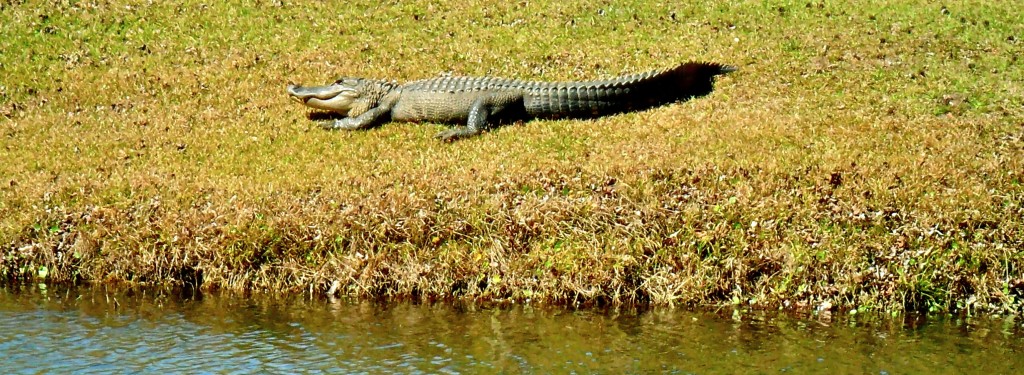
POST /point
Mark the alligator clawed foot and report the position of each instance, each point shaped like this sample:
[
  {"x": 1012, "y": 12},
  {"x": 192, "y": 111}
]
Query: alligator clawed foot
[
  {"x": 456, "y": 133},
  {"x": 347, "y": 123},
  {"x": 326, "y": 124},
  {"x": 446, "y": 136}
]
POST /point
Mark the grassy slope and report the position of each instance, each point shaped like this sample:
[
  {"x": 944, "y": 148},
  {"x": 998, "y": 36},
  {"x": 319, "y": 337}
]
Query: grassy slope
[{"x": 865, "y": 156}]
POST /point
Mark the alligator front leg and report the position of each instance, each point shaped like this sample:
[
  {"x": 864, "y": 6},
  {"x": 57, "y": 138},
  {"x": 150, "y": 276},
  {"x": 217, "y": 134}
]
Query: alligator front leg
[
  {"x": 368, "y": 119},
  {"x": 484, "y": 112}
]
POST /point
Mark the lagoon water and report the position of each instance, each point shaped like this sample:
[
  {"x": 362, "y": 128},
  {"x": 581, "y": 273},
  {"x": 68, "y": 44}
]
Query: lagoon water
[{"x": 91, "y": 330}]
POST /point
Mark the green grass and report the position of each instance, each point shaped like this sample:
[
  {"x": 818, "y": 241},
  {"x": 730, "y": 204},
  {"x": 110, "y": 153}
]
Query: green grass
[{"x": 868, "y": 156}]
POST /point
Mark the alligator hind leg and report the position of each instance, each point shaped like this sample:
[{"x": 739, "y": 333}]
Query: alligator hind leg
[{"x": 485, "y": 112}]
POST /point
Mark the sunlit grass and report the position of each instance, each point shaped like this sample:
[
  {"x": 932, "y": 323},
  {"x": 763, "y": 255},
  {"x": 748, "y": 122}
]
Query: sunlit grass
[{"x": 867, "y": 156}]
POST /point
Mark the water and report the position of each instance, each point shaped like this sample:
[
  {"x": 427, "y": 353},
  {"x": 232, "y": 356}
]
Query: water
[{"x": 93, "y": 330}]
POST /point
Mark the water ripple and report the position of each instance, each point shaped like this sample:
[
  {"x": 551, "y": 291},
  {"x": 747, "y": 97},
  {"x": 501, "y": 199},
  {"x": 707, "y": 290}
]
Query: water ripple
[{"x": 88, "y": 335}]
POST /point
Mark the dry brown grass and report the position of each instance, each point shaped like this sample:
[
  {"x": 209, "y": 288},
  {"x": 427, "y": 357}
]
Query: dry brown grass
[{"x": 864, "y": 157}]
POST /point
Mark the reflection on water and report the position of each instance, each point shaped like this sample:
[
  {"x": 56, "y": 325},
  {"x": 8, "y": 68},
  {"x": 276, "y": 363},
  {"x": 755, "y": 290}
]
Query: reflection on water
[{"x": 91, "y": 330}]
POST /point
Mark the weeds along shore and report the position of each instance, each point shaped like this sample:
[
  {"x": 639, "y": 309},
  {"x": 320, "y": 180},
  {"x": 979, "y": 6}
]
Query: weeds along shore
[
  {"x": 863, "y": 158},
  {"x": 667, "y": 237}
]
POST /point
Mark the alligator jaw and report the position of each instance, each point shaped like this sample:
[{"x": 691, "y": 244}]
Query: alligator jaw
[{"x": 334, "y": 98}]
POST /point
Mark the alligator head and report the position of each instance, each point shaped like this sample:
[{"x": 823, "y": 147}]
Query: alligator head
[
  {"x": 347, "y": 96},
  {"x": 336, "y": 97}
]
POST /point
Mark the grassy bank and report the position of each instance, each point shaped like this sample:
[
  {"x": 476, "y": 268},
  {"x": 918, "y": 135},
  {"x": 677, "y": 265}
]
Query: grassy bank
[{"x": 864, "y": 157}]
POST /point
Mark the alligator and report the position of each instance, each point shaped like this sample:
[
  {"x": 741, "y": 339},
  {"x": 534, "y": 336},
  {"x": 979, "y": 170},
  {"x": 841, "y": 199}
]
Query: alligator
[{"x": 477, "y": 104}]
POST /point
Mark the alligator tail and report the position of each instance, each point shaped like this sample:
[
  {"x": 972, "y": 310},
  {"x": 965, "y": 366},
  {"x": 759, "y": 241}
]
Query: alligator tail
[{"x": 625, "y": 93}]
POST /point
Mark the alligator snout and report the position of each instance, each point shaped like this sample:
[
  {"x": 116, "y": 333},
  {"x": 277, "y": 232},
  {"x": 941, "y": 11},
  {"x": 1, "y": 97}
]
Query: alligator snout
[
  {"x": 329, "y": 97},
  {"x": 318, "y": 92},
  {"x": 292, "y": 93}
]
